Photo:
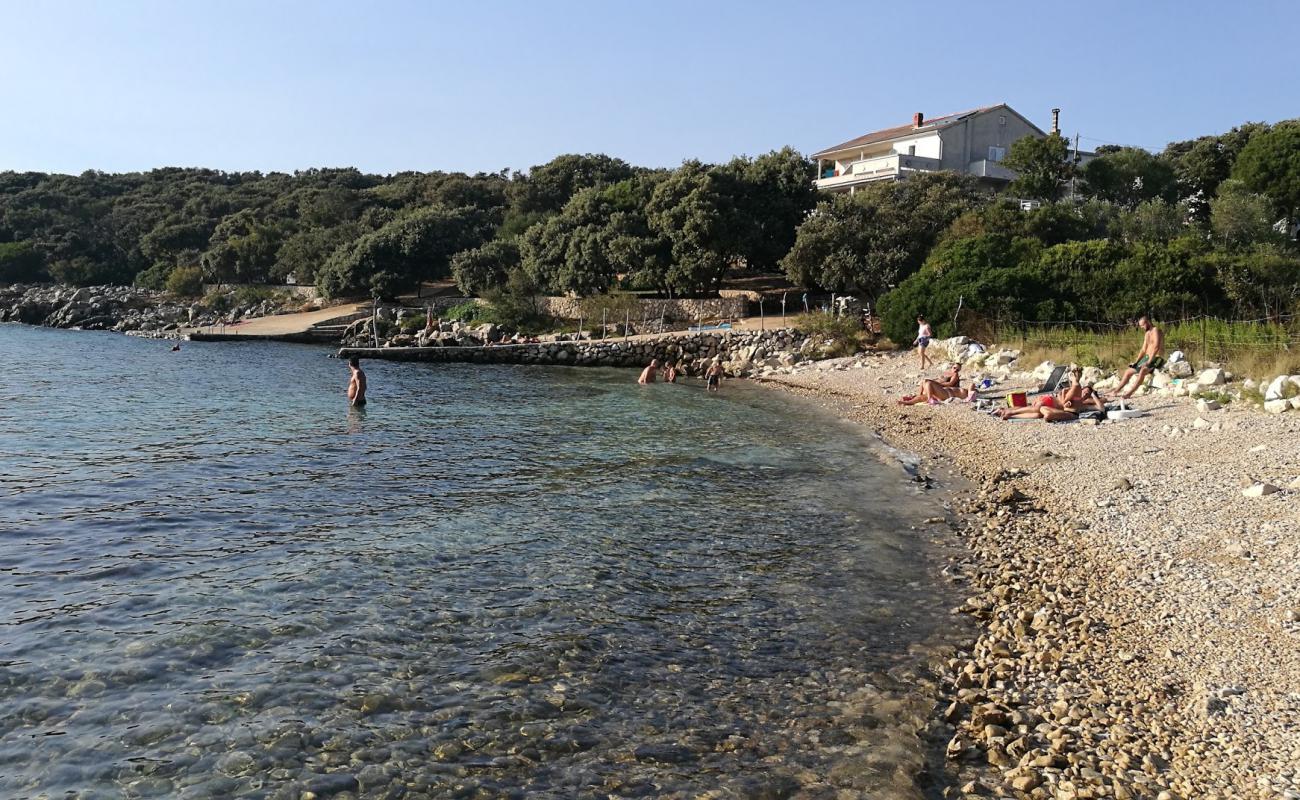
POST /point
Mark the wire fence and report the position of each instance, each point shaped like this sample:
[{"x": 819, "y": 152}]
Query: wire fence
[{"x": 1200, "y": 337}]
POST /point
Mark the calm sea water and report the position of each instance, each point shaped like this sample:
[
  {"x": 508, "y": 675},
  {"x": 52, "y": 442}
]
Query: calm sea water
[{"x": 216, "y": 580}]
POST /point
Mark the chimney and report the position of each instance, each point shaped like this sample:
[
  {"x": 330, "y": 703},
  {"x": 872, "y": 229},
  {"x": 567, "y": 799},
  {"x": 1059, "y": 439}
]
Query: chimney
[
  {"x": 1056, "y": 122},
  {"x": 918, "y": 119}
]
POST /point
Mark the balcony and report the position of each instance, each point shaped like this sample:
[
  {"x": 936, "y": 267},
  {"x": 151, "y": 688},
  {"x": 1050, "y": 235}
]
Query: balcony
[
  {"x": 887, "y": 167},
  {"x": 985, "y": 168}
]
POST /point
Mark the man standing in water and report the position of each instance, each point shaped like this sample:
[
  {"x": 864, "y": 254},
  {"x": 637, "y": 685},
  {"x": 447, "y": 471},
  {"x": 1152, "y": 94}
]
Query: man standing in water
[
  {"x": 356, "y": 386},
  {"x": 1148, "y": 359},
  {"x": 649, "y": 373},
  {"x": 713, "y": 376}
]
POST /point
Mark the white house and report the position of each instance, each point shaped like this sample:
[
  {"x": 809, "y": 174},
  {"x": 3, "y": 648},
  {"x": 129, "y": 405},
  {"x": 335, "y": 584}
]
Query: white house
[{"x": 973, "y": 142}]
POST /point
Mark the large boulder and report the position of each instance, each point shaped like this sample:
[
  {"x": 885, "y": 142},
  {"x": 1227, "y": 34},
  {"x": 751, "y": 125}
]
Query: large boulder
[
  {"x": 1003, "y": 357},
  {"x": 1043, "y": 371},
  {"x": 1277, "y": 406},
  {"x": 1179, "y": 369},
  {"x": 1212, "y": 377},
  {"x": 1278, "y": 388}
]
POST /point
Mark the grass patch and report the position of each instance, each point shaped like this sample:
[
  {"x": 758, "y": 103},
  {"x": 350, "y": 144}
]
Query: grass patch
[{"x": 1215, "y": 396}]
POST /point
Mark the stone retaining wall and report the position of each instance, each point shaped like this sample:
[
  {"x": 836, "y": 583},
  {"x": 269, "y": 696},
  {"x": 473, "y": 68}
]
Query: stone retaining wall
[
  {"x": 677, "y": 310},
  {"x": 739, "y": 352},
  {"x": 302, "y": 291},
  {"x": 732, "y": 307}
]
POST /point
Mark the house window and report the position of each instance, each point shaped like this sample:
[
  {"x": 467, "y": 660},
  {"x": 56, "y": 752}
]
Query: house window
[
  {"x": 1002, "y": 120},
  {"x": 996, "y": 153},
  {"x": 911, "y": 149}
]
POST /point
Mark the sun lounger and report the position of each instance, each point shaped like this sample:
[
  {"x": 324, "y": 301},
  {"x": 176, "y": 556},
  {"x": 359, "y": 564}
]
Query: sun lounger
[
  {"x": 1053, "y": 381},
  {"x": 1050, "y": 385}
]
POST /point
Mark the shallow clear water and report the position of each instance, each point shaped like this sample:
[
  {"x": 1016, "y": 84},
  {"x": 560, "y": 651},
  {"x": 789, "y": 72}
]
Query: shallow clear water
[{"x": 218, "y": 581}]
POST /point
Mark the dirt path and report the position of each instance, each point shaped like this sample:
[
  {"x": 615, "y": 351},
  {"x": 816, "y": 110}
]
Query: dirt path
[{"x": 284, "y": 324}]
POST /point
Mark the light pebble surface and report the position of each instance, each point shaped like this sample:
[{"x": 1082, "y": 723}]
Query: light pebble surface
[{"x": 1140, "y": 613}]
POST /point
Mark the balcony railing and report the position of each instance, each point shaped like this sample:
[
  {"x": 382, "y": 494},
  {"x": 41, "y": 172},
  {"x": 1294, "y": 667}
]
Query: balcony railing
[{"x": 880, "y": 167}]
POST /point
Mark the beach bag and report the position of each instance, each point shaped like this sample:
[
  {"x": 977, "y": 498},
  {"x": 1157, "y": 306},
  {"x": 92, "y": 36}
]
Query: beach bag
[{"x": 1017, "y": 400}]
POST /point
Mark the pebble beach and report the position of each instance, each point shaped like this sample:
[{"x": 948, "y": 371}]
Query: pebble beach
[{"x": 1137, "y": 601}]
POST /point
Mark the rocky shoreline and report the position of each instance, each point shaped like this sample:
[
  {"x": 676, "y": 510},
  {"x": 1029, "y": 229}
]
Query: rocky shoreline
[
  {"x": 125, "y": 309},
  {"x": 1137, "y": 611}
]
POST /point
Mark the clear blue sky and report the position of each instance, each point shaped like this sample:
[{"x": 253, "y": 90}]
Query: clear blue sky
[{"x": 481, "y": 85}]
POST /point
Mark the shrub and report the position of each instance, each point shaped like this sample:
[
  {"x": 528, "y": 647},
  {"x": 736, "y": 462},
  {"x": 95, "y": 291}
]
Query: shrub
[
  {"x": 185, "y": 282},
  {"x": 515, "y": 306},
  {"x": 840, "y": 335},
  {"x": 989, "y": 274},
  {"x": 385, "y": 285},
  {"x": 466, "y": 312},
  {"x": 413, "y": 323},
  {"x": 19, "y": 262}
]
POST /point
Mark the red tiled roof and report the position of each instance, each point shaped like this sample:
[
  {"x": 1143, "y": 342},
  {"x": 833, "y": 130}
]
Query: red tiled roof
[{"x": 903, "y": 130}]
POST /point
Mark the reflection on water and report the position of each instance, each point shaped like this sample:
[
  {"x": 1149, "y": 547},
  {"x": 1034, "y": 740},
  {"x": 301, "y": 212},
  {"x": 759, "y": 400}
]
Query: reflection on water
[{"x": 219, "y": 581}]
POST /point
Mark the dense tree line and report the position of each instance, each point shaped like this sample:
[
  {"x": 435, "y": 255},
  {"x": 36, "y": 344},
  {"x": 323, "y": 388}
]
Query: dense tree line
[
  {"x": 580, "y": 223},
  {"x": 1192, "y": 228}
]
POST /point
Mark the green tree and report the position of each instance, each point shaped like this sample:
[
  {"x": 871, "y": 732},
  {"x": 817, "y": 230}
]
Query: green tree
[
  {"x": 412, "y": 248},
  {"x": 600, "y": 234},
  {"x": 1130, "y": 176},
  {"x": 1270, "y": 165},
  {"x": 20, "y": 262},
  {"x": 1263, "y": 281},
  {"x": 242, "y": 249},
  {"x": 1202, "y": 164},
  {"x": 773, "y": 195},
  {"x": 1152, "y": 221},
  {"x": 868, "y": 241},
  {"x": 693, "y": 209},
  {"x": 1042, "y": 166},
  {"x": 485, "y": 268},
  {"x": 1240, "y": 218},
  {"x": 548, "y": 187}
]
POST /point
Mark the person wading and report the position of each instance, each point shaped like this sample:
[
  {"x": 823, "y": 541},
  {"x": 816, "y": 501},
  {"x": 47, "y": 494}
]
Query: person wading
[
  {"x": 357, "y": 385},
  {"x": 649, "y": 374}
]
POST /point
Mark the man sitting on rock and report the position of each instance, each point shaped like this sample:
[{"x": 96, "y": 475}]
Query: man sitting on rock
[
  {"x": 649, "y": 373},
  {"x": 1148, "y": 358}
]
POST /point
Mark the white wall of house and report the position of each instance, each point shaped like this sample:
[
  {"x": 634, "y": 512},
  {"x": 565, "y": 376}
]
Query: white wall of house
[{"x": 929, "y": 145}]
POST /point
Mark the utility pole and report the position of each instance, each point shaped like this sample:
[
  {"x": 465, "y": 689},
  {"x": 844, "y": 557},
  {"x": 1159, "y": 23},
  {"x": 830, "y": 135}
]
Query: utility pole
[{"x": 1075, "y": 167}]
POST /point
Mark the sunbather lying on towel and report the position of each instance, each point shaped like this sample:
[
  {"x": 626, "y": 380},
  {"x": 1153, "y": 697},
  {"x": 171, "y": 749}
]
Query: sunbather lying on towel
[
  {"x": 1060, "y": 407},
  {"x": 932, "y": 393},
  {"x": 1048, "y": 407}
]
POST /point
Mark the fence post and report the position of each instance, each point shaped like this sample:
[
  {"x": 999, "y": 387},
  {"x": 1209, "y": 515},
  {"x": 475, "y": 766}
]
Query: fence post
[
  {"x": 627, "y": 322},
  {"x": 604, "y": 314},
  {"x": 1204, "y": 353}
]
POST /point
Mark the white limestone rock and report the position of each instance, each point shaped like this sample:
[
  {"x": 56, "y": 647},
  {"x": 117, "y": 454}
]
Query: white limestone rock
[
  {"x": 1211, "y": 377},
  {"x": 1260, "y": 489}
]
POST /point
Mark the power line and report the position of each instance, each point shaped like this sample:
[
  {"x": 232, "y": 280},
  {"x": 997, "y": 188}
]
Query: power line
[{"x": 1120, "y": 144}]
